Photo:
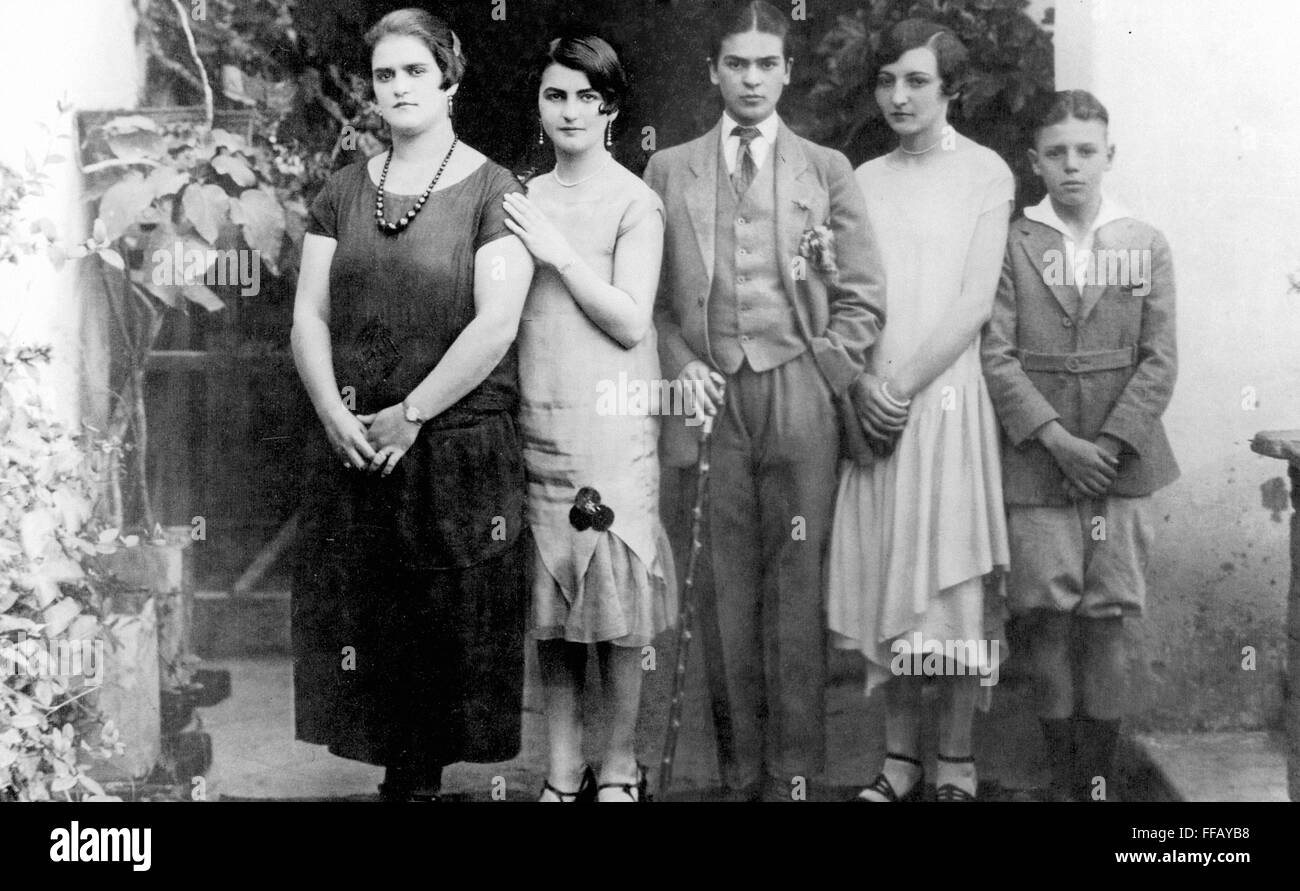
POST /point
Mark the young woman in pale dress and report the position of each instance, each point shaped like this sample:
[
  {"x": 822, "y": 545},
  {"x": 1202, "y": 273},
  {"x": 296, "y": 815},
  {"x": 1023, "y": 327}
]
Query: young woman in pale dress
[
  {"x": 602, "y": 570},
  {"x": 919, "y": 530}
]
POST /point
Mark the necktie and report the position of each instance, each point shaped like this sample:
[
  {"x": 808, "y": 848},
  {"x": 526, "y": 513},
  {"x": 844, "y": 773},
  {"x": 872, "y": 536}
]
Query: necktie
[{"x": 746, "y": 169}]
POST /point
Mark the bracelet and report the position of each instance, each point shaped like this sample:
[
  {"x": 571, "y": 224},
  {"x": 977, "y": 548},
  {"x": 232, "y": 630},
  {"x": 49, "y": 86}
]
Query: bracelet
[{"x": 890, "y": 398}]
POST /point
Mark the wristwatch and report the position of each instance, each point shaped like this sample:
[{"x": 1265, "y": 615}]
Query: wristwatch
[{"x": 412, "y": 413}]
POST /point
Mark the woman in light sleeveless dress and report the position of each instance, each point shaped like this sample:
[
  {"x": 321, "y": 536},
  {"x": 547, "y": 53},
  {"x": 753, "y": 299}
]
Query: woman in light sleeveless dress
[
  {"x": 603, "y": 572},
  {"x": 920, "y": 531}
]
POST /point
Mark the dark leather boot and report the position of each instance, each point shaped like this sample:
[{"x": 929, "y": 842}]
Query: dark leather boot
[
  {"x": 1058, "y": 741},
  {"x": 1094, "y": 755}
]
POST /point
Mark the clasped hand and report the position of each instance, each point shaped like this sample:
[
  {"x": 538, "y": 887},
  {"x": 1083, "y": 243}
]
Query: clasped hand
[
  {"x": 881, "y": 419},
  {"x": 373, "y": 442},
  {"x": 1090, "y": 468}
]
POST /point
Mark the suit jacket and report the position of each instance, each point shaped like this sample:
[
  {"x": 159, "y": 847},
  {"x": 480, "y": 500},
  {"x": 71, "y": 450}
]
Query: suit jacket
[
  {"x": 839, "y": 315},
  {"x": 1103, "y": 362}
]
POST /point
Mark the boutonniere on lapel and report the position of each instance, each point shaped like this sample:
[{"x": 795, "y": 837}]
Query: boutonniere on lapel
[
  {"x": 817, "y": 245},
  {"x": 588, "y": 513}
]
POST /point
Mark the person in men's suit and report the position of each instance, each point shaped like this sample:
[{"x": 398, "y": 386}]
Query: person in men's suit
[
  {"x": 1080, "y": 358},
  {"x": 772, "y": 288}
]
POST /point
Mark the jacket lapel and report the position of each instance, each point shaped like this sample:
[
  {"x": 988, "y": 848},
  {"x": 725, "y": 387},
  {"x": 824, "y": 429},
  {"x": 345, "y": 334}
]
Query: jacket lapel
[
  {"x": 1045, "y": 242},
  {"x": 702, "y": 200},
  {"x": 791, "y": 215},
  {"x": 1092, "y": 293}
]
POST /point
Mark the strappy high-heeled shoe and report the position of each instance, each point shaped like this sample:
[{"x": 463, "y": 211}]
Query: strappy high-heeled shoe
[
  {"x": 882, "y": 787},
  {"x": 949, "y": 791},
  {"x": 637, "y": 791},
  {"x": 586, "y": 789}
]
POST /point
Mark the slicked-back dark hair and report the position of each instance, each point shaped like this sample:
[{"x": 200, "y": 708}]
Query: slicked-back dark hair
[
  {"x": 754, "y": 16},
  {"x": 432, "y": 31},
  {"x": 951, "y": 57},
  {"x": 595, "y": 58},
  {"x": 1065, "y": 104}
]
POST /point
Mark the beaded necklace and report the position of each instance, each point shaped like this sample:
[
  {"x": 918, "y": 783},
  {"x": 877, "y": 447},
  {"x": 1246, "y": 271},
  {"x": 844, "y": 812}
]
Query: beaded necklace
[{"x": 405, "y": 220}]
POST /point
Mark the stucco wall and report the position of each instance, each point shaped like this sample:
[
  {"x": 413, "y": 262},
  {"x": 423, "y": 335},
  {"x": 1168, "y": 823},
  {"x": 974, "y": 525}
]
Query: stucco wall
[
  {"x": 84, "y": 53},
  {"x": 1207, "y": 123}
]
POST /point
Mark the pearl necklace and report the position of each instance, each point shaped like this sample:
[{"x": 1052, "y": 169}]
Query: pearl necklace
[
  {"x": 586, "y": 178},
  {"x": 922, "y": 151},
  {"x": 405, "y": 220}
]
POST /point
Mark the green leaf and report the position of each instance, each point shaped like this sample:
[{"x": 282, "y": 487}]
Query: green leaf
[
  {"x": 36, "y": 532},
  {"x": 57, "y": 616},
  {"x": 228, "y": 141},
  {"x": 234, "y": 85},
  {"x": 122, "y": 204},
  {"x": 43, "y": 691},
  {"x": 207, "y": 207},
  {"x": 263, "y": 223},
  {"x": 160, "y": 277},
  {"x": 234, "y": 168},
  {"x": 8, "y": 596},
  {"x": 17, "y": 623},
  {"x": 83, "y": 627},
  {"x": 166, "y": 181},
  {"x": 112, "y": 258}
]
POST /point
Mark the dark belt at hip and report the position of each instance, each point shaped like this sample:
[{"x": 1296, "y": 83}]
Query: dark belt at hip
[{"x": 1079, "y": 363}]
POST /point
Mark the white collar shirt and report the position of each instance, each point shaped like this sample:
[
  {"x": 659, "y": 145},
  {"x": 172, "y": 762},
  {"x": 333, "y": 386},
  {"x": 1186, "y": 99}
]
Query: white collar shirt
[
  {"x": 758, "y": 148},
  {"x": 1078, "y": 253}
]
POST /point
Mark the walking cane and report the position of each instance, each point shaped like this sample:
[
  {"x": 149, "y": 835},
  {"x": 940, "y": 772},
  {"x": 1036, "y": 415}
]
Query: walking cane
[{"x": 686, "y": 612}]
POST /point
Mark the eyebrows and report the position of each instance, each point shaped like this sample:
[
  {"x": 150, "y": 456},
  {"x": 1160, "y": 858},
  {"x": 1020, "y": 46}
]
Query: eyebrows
[
  {"x": 384, "y": 69},
  {"x": 563, "y": 92},
  {"x": 1065, "y": 144},
  {"x": 731, "y": 57}
]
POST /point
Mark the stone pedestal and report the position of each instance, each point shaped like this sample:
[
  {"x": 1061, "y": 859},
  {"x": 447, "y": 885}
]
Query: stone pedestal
[
  {"x": 130, "y": 692},
  {"x": 1285, "y": 445}
]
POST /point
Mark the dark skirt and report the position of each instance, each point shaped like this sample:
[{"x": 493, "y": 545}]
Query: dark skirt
[{"x": 409, "y": 602}]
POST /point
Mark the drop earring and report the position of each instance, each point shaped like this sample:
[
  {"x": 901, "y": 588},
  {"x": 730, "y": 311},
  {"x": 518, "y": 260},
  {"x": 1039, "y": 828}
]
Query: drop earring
[
  {"x": 451, "y": 107},
  {"x": 541, "y": 133},
  {"x": 609, "y": 134}
]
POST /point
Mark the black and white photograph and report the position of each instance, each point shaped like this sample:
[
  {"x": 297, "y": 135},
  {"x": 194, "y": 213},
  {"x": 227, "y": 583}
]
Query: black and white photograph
[{"x": 701, "y": 404}]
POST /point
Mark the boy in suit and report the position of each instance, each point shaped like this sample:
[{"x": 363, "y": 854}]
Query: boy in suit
[
  {"x": 773, "y": 286},
  {"x": 1080, "y": 359}
]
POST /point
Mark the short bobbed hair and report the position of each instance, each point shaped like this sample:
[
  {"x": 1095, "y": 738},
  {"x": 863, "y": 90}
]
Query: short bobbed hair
[
  {"x": 595, "y": 58},
  {"x": 952, "y": 59},
  {"x": 432, "y": 31}
]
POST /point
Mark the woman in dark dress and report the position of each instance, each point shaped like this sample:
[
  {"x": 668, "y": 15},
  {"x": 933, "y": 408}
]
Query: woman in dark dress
[{"x": 410, "y": 592}]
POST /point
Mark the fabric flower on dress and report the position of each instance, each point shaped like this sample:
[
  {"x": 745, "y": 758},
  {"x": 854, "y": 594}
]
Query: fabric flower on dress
[{"x": 588, "y": 513}]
